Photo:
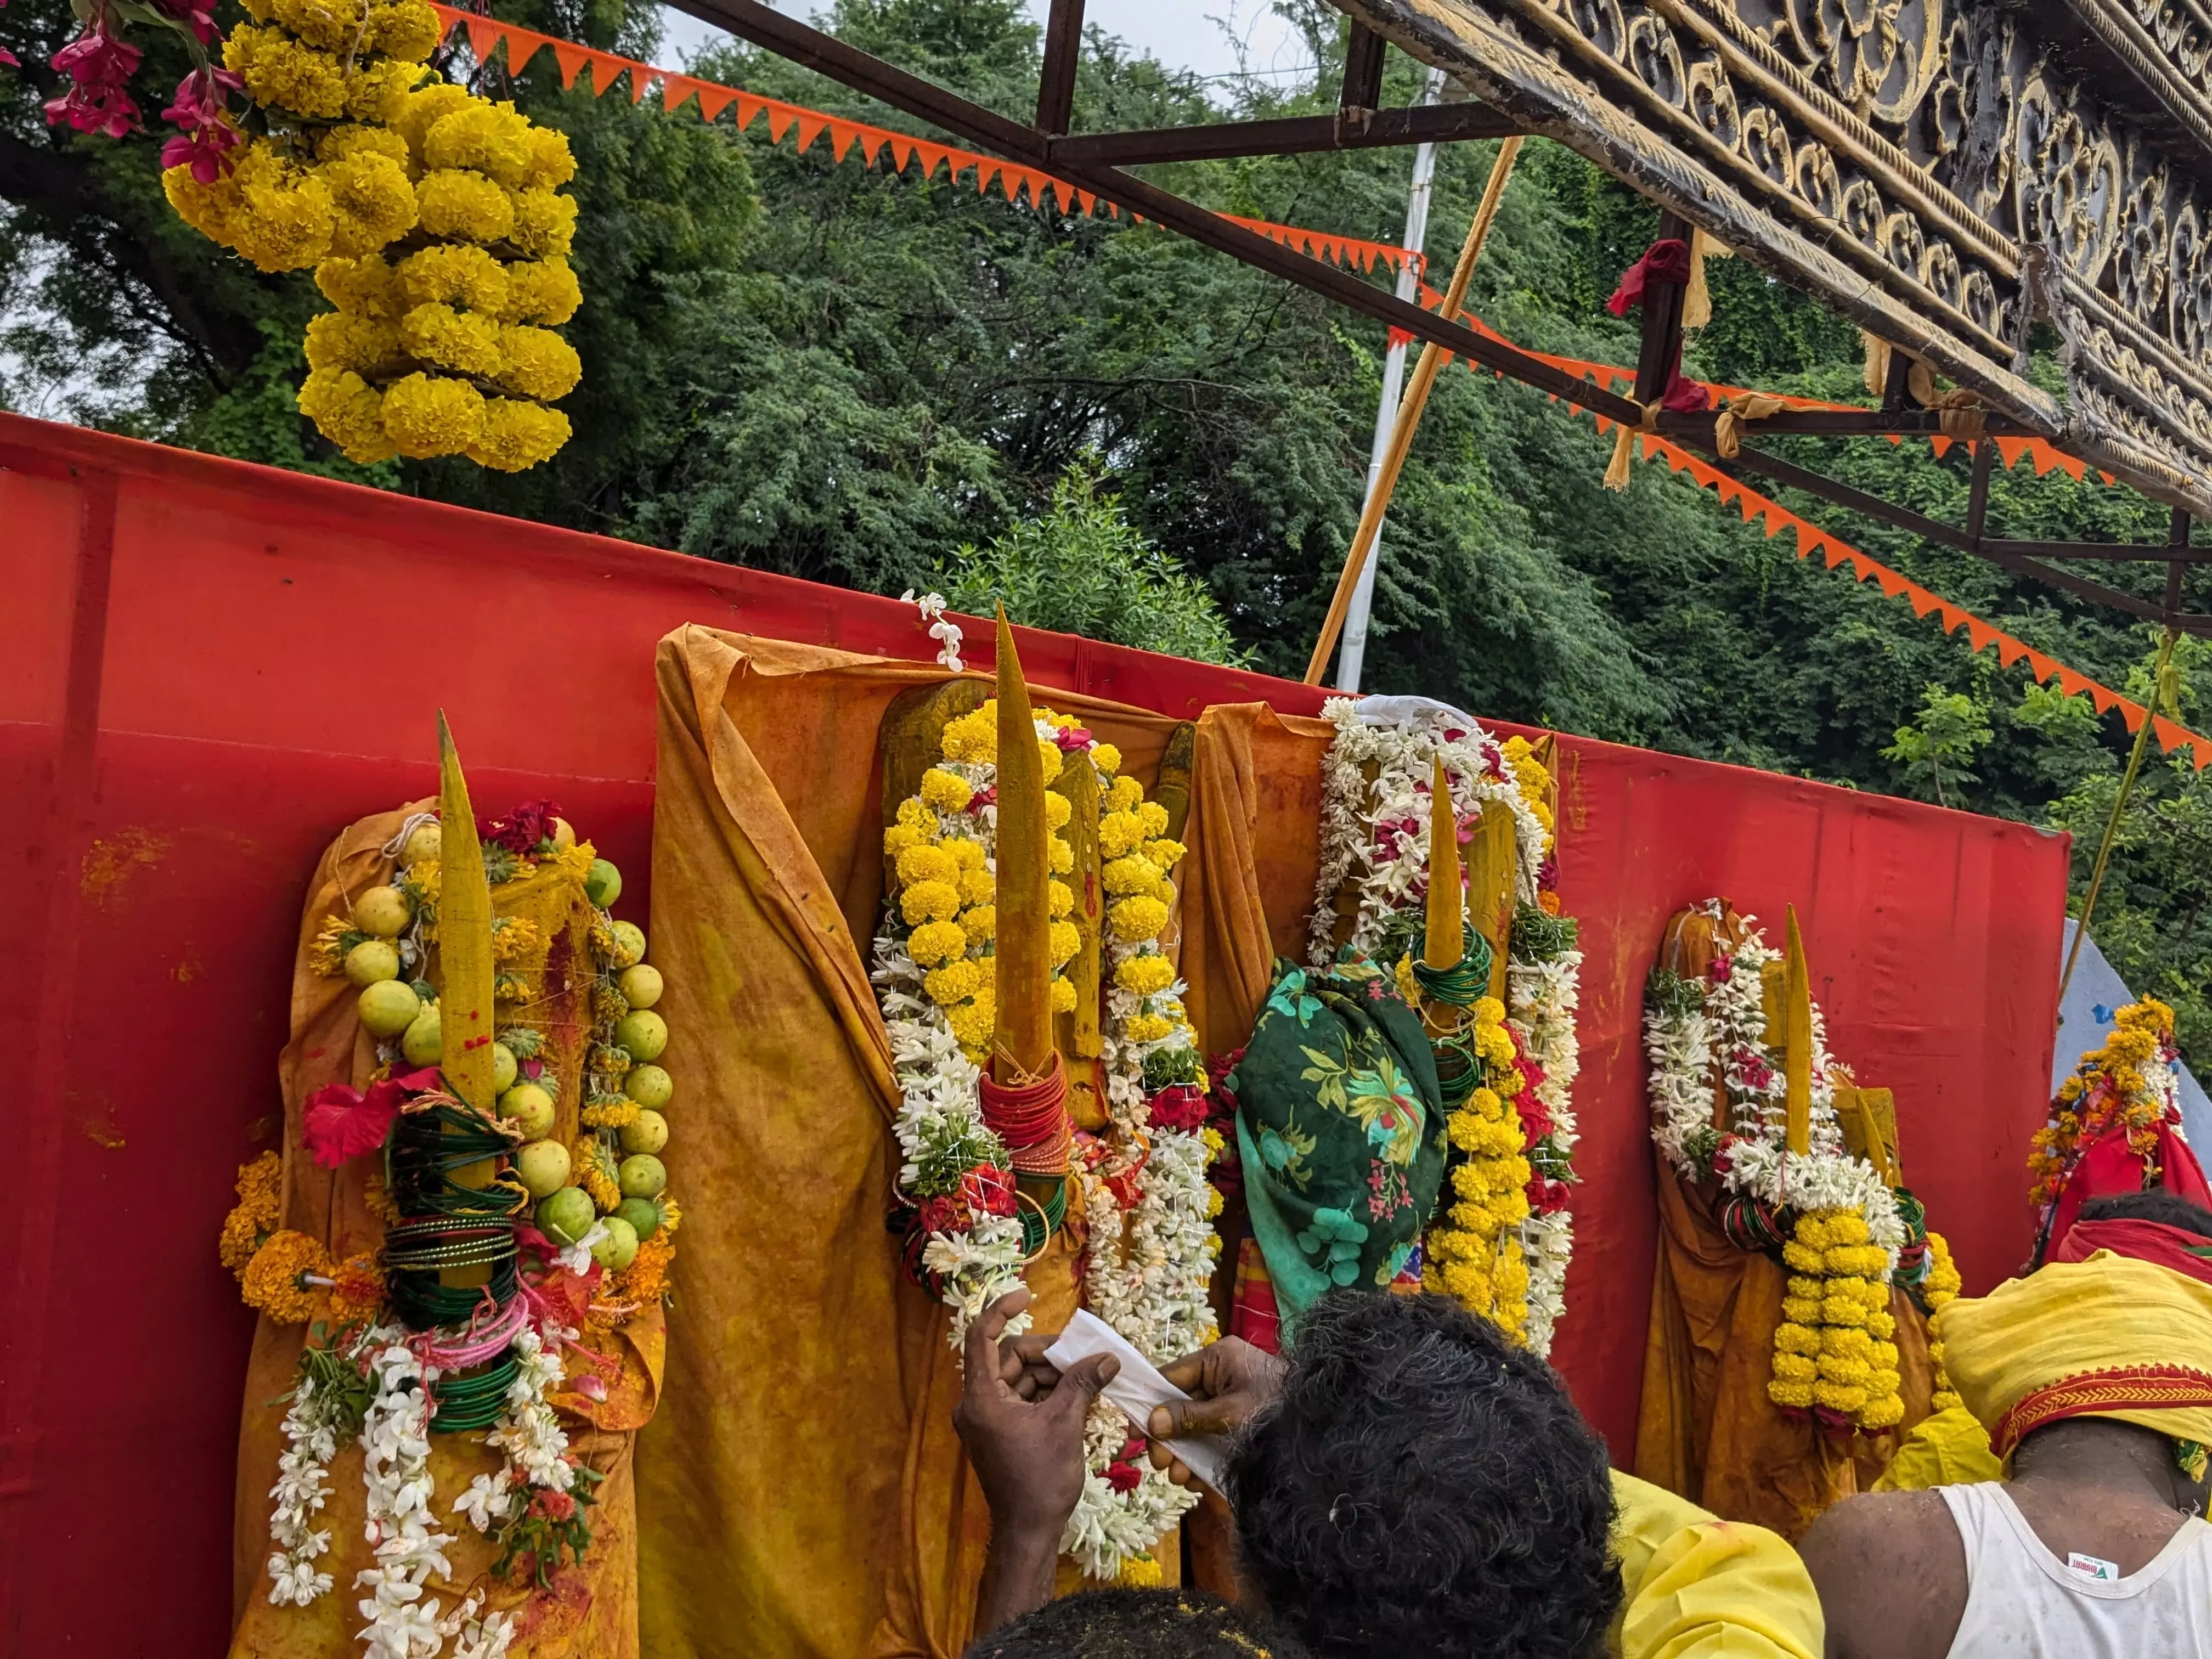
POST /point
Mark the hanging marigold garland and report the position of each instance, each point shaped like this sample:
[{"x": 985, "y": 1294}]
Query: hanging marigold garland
[
  {"x": 1149, "y": 1246},
  {"x": 432, "y": 218},
  {"x": 2128, "y": 1084},
  {"x": 1502, "y": 1245}
]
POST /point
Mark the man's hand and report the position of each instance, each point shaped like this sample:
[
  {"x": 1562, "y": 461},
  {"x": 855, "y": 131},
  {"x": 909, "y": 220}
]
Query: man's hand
[
  {"x": 1228, "y": 1380},
  {"x": 1022, "y": 1423}
]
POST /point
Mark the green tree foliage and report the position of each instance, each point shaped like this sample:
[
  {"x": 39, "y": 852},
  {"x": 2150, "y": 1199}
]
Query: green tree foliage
[
  {"x": 1081, "y": 567},
  {"x": 1954, "y": 726},
  {"x": 852, "y": 375}
]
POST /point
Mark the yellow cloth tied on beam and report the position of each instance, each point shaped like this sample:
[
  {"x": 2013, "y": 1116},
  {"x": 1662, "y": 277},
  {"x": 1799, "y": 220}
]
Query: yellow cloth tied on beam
[
  {"x": 2110, "y": 1337},
  {"x": 1617, "y": 473},
  {"x": 1737, "y": 413}
]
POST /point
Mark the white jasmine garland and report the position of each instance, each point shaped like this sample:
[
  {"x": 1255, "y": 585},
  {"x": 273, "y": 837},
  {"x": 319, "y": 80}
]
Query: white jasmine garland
[
  {"x": 302, "y": 1485},
  {"x": 1729, "y": 1032},
  {"x": 1106, "y": 1527},
  {"x": 1376, "y": 834},
  {"x": 1147, "y": 1268},
  {"x": 399, "y": 1526},
  {"x": 1542, "y": 998}
]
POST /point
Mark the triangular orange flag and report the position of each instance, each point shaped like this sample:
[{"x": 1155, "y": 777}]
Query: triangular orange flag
[
  {"x": 484, "y": 35},
  {"x": 713, "y": 100},
  {"x": 571, "y": 60},
  {"x": 810, "y": 127},
  {"x": 1983, "y": 635}
]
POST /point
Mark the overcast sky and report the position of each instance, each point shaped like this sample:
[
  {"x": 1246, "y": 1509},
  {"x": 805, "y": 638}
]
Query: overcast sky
[{"x": 1181, "y": 33}]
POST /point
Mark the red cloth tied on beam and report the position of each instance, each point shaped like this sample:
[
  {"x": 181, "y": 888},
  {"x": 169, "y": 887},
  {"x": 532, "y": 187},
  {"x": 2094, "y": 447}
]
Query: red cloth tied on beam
[
  {"x": 1667, "y": 260},
  {"x": 2145, "y": 1240}
]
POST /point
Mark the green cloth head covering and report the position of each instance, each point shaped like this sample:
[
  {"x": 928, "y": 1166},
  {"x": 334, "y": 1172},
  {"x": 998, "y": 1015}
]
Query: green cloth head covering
[{"x": 1340, "y": 1127}]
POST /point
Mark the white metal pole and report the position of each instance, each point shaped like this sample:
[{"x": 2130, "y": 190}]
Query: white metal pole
[{"x": 1352, "y": 653}]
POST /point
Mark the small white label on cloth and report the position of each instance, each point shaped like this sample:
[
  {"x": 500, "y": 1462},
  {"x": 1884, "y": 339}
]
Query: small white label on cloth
[
  {"x": 1136, "y": 1388},
  {"x": 2090, "y": 1566}
]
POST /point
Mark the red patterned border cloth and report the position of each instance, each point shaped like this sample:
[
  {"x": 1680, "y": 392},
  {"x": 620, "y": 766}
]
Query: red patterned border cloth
[{"x": 2128, "y": 1387}]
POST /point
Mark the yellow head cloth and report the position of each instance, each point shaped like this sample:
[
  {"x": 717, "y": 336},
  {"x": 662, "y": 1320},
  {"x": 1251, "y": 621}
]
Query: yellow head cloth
[{"x": 2109, "y": 1337}]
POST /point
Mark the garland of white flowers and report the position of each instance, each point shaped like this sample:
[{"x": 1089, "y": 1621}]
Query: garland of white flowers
[
  {"x": 1683, "y": 1042},
  {"x": 1378, "y": 834},
  {"x": 534, "y": 1447},
  {"x": 395, "y": 1444},
  {"x": 1147, "y": 1276},
  {"x": 311, "y": 1440}
]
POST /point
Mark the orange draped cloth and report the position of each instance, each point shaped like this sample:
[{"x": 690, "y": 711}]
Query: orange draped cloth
[{"x": 801, "y": 1490}]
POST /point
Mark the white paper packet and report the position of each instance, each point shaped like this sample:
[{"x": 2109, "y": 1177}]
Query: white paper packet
[{"x": 1136, "y": 1388}]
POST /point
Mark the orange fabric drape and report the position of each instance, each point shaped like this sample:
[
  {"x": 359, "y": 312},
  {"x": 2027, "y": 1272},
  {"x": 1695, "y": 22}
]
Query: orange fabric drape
[
  {"x": 1255, "y": 785},
  {"x": 592, "y": 1607},
  {"x": 1708, "y": 1431},
  {"x": 802, "y": 1490}
]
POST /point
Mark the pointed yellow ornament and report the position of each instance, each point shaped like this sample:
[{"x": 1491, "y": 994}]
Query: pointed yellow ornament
[
  {"x": 1492, "y": 874},
  {"x": 1444, "y": 939},
  {"x": 1797, "y": 1038},
  {"x": 465, "y": 999},
  {"x": 1024, "y": 1032}
]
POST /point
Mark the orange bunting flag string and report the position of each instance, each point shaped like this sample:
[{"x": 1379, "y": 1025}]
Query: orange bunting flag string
[
  {"x": 1981, "y": 635},
  {"x": 857, "y": 139}
]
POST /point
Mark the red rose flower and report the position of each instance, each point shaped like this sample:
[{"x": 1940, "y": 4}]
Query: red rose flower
[{"x": 1123, "y": 1476}]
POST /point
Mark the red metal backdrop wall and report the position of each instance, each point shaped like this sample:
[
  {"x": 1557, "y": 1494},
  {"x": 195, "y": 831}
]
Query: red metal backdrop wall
[{"x": 208, "y": 669}]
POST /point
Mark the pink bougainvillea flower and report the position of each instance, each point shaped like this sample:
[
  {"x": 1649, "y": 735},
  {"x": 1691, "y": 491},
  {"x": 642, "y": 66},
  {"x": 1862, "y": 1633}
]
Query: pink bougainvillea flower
[
  {"x": 99, "y": 67},
  {"x": 197, "y": 17},
  {"x": 207, "y": 151}
]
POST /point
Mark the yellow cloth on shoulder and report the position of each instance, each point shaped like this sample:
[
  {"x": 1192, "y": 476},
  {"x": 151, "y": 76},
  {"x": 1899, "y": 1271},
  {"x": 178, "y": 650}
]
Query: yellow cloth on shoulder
[
  {"x": 2110, "y": 1337},
  {"x": 1951, "y": 1449},
  {"x": 1696, "y": 1586}
]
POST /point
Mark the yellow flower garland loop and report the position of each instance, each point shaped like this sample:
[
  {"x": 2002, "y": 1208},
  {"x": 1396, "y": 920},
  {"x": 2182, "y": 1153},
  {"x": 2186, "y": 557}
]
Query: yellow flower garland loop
[
  {"x": 447, "y": 348},
  {"x": 1835, "y": 1352}
]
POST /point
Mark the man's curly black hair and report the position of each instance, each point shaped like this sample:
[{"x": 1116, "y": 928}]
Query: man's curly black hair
[
  {"x": 1423, "y": 1489},
  {"x": 1135, "y": 1624}
]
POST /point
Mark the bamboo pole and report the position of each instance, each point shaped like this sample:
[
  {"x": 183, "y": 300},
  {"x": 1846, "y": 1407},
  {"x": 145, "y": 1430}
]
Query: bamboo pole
[{"x": 1409, "y": 413}]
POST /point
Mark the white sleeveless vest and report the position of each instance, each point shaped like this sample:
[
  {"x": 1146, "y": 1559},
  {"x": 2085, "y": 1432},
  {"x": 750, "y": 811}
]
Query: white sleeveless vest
[{"x": 2023, "y": 1602}]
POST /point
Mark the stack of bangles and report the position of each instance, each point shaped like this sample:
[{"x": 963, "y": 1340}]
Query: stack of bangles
[
  {"x": 1459, "y": 987},
  {"x": 417, "y": 1250},
  {"x": 1030, "y": 1117}
]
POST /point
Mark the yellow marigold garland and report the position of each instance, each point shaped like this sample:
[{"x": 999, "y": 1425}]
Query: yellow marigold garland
[
  {"x": 449, "y": 351},
  {"x": 1469, "y": 1256},
  {"x": 276, "y": 1279},
  {"x": 255, "y": 1216},
  {"x": 1835, "y": 1349},
  {"x": 1939, "y": 1289}
]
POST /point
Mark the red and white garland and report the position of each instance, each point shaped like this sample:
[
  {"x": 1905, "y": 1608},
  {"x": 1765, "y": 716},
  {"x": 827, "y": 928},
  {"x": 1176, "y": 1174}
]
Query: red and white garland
[
  {"x": 1377, "y": 835},
  {"x": 1682, "y": 1041}
]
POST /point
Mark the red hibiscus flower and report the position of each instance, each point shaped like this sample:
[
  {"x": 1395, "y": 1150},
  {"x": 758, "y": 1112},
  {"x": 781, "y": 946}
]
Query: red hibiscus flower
[
  {"x": 520, "y": 830},
  {"x": 341, "y": 1123}
]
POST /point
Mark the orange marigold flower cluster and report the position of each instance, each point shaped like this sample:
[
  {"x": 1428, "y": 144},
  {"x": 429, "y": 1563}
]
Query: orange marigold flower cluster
[
  {"x": 275, "y": 1280},
  {"x": 259, "y": 1207}
]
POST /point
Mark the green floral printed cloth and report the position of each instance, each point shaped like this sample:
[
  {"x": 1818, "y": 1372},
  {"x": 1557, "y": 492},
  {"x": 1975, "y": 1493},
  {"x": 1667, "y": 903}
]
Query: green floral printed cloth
[{"x": 1341, "y": 1130}]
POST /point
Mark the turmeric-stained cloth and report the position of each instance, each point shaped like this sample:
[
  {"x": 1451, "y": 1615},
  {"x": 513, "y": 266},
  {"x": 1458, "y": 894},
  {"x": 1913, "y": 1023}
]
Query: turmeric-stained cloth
[
  {"x": 1945, "y": 1448},
  {"x": 592, "y": 1608},
  {"x": 803, "y": 1491},
  {"x": 1696, "y": 1586}
]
